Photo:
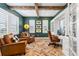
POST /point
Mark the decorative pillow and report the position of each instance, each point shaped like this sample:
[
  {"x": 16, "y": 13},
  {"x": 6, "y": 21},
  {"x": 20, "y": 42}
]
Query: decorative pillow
[
  {"x": 16, "y": 37},
  {"x": 7, "y": 39}
]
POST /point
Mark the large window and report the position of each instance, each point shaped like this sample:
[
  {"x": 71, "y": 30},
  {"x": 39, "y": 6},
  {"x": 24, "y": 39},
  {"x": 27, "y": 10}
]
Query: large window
[
  {"x": 13, "y": 26},
  {"x": 38, "y": 26},
  {"x": 3, "y": 22},
  {"x": 9, "y": 23},
  {"x": 45, "y": 26},
  {"x": 32, "y": 26},
  {"x": 62, "y": 27}
]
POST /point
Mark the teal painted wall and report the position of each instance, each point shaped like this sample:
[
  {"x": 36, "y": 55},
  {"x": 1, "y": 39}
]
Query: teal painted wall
[
  {"x": 26, "y": 20},
  {"x": 5, "y": 7}
]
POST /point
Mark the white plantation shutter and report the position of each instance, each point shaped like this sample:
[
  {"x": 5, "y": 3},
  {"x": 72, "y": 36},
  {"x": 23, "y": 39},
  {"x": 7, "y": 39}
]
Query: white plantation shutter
[
  {"x": 32, "y": 26},
  {"x": 3, "y": 22},
  {"x": 13, "y": 26},
  {"x": 45, "y": 26},
  {"x": 9, "y": 23}
]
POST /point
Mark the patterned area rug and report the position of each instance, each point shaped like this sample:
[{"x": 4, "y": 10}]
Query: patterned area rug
[{"x": 40, "y": 48}]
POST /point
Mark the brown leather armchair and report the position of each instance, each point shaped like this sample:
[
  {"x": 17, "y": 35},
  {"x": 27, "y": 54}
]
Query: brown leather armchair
[
  {"x": 24, "y": 36},
  {"x": 54, "y": 39},
  {"x": 11, "y": 48}
]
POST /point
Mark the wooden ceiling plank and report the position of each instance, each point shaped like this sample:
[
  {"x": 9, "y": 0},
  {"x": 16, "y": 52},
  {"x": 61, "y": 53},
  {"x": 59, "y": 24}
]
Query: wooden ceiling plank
[
  {"x": 36, "y": 9},
  {"x": 52, "y": 7},
  {"x": 39, "y": 7},
  {"x": 23, "y": 7}
]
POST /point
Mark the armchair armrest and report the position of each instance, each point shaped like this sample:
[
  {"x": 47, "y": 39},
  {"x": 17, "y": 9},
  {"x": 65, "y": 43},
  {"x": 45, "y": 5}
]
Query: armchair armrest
[
  {"x": 23, "y": 38},
  {"x": 13, "y": 48},
  {"x": 21, "y": 42}
]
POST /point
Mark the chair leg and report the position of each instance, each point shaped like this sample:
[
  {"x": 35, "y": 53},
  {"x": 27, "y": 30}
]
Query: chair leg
[
  {"x": 55, "y": 46},
  {"x": 24, "y": 53},
  {"x": 58, "y": 45},
  {"x": 51, "y": 44}
]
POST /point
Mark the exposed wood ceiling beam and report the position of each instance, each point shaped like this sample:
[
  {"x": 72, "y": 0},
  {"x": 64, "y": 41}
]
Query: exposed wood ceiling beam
[
  {"x": 52, "y": 7},
  {"x": 36, "y": 9},
  {"x": 23, "y": 7},
  {"x": 39, "y": 7}
]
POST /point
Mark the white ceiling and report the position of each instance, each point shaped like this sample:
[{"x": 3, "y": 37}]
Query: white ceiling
[
  {"x": 48, "y": 13},
  {"x": 27, "y": 12},
  {"x": 43, "y": 13}
]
